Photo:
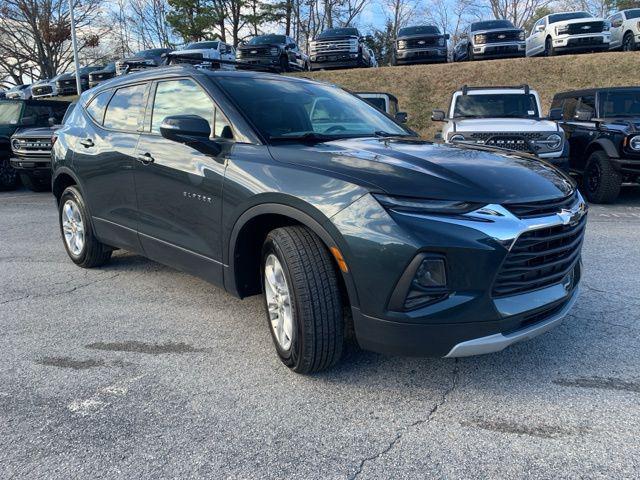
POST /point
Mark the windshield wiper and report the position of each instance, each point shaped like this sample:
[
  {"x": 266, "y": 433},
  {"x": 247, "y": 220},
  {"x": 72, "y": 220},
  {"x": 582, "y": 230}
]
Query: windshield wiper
[{"x": 308, "y": 137}]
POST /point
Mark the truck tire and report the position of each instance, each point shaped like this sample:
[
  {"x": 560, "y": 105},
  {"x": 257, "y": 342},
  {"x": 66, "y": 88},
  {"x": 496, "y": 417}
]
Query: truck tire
[
  {"x": 8, "y": 176},
  {"x": 601, "y": 183},
  {"x": 35, "y": 184},
  {"x": 284, "y": 64},
  {"x": 302, "y": 299},
  {"x": 470, "y": 54},
  {"x": 628, "y": 42},
  {"x": 81, "y": 245},
  {"x": 549, "y": 51}
]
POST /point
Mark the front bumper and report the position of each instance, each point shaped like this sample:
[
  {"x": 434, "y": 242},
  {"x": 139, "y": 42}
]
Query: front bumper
[
  {"x": 581, "y": 43},
  {"x": 421, "y": 55},
  {"x": 335, "y": 60},
  {"x": 268, "y": 63},
  {"x": 477, "y": 309},
  {"x": 37, "y": 165},
  {"x": 627, "y": 166},
  {"x": 499, "y": 50}
]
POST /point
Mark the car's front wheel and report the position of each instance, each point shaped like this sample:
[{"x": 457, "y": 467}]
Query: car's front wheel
[
  {"x": 601, "y": 183},
  {"x": 77, "y": 235},
  {"x": 8, "y": 175},
  {"x": 302, "y": 298},
  {"x": 628, "y": 43},
  {"x": 549, "y": 51}
]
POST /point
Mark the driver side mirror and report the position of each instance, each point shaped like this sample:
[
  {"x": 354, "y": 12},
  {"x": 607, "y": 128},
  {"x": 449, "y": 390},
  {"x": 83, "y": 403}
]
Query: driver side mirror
[
  {"x": 539, "y": 28},
  {"x": 191, "y": 130},
  {"x": 401, "y": 117},
  {"x": 28, "y": 121},
  {"x": 555, "y": 114},
  {"x": 447, "y": 36},
  {"x": 583, "y": 115},
  {"x": 438, "y": 116},
  {"x": 52, "y": 121}
]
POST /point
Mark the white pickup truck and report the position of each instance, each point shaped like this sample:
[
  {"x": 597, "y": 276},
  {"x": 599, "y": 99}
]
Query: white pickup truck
[{"x": 504, "y": 117}]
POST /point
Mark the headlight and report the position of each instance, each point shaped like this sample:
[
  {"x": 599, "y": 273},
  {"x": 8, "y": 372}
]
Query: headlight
[
  {"x": 15, "y": 144},
  {"x": 421, "y": 205},
  {"x": 480, "y": 38},
  {"x": 441, "y": 42},
  {"x": 274, "y": 51},
  {"x": 606, "y": 26},
  {"x": 554, "y": 141},
  {"x": 456, "y": 138},
  {"x": 402, "y": 44},
  {"x": 521, "y": 35},
  {"x": 562, "y": 29},
  {"x": 634, "y": 143}
]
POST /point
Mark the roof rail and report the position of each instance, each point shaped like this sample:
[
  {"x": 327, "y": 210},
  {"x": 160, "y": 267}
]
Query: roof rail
[{"x": 525, "y": 87}]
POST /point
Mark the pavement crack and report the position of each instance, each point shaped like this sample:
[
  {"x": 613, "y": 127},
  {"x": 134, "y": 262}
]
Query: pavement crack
[
  {"x": 606, "y": 292},
  {"x": 423, "y": 421}
]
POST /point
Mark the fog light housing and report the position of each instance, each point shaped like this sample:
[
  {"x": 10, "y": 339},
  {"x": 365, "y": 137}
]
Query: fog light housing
[{"x": 423, "y": 282}]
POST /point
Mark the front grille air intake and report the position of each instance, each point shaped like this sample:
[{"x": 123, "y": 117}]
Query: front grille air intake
[{"x": 542, "y": 209}]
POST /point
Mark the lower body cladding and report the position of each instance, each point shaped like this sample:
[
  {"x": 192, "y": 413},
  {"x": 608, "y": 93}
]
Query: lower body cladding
[
  {"x": 499, "y": 50},
  {"x": 335, "y": 60},
  {"x": 431, "y": 285},
  {"x": 581, "y": 43},
  {"x": 423, "y": 55}
]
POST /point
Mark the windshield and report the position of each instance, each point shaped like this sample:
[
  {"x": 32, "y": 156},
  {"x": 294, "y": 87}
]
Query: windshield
[
  {"x": 426, "y": 30},
  {"x": 154, "y": 52},
  {"x": 267, "y": 39},
  {"x": 511, "y": 105},
  {"x": 286, "y": 108},
  {"x": 561, "y": 17},
  {"x": 629, "y": 14},
  {"x": 620, "y": 103},
  {"x": 339, "y": 32},
  {"x": 197, "y": 45},
  {"x": 491, "y": 24},
  {"x": 10, "y": 113}
]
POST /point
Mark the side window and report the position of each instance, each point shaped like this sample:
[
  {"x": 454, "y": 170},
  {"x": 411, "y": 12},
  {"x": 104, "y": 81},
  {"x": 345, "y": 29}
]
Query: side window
[
  {"x": 569, "y": 108},
  {"x": 223, "y": 48},
  {"x": 180, "y": 97},
  {"x": 97, "y": 106},
  {"x": 124, "y": 109},
  {"x": 588, "y": 103}
]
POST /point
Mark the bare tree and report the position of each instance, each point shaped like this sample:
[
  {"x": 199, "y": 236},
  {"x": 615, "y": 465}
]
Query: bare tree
[{"x": 518, "y": 11}]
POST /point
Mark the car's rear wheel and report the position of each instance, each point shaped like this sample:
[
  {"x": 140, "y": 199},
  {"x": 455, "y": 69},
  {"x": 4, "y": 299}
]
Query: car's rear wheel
[
  {"x": 284, "y": 64},
  {"x": 628, "y": 43},
  {"x": 470, "y": 54},
  {"x": 601, "y": 183},
  {"x": 35, "y": 184},
  {"x": 77, "y": 235},
  {"x": 8, "y": 176},
  {"x": 302, "y": 298}
]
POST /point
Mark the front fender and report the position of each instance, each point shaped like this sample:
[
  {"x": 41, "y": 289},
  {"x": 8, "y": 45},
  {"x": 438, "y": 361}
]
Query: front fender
[{"x": 604, "y": 144}]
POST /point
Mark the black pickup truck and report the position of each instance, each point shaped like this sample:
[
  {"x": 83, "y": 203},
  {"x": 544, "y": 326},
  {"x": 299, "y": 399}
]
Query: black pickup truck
[{"x": 17, "y": 114}]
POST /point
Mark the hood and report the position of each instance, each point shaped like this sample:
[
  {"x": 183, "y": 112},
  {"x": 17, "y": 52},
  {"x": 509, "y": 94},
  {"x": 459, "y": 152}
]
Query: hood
[
  {"x": 624, "y": 124},
  {"x": 505, "y": 125},
  {"x": 257, "y": 47},
  {"x": 578, "y": 20},
  {"x": 493, "y": 30},
  {"x": 336, "y": 37},
  {"x": 427, "y": 170},
  {"x": 138, "y": 59},
  {"x": 420, "y": 35},
  {"x": 39, "y": 132}
]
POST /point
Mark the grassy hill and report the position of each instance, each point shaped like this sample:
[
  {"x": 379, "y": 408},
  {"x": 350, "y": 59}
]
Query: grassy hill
[{"x": 422, "y": 88}]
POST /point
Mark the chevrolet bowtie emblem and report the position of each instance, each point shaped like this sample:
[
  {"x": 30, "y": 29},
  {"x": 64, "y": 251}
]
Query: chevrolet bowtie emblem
[
  {"x": 573, "y": 216},
  {"x": 586, "y": 27}
]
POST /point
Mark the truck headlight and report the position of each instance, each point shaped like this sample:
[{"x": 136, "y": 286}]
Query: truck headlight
[
  {"x": 480, "y": 39},
  {"x": 402, "y": 44},
  {"x": 562, "y": 29},
  {"x": 606, "y": 26},
  {"x": 274, "y": 51},
  {"x": 441, "y": 42},
  {"x": 15, "y": 144},
  {"x": 554, "y": 141},
  {"x": 521, "y": 36},
  {"x": 634, "y": 143}
]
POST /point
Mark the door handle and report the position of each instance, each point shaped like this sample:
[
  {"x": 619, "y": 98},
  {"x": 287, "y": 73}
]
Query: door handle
[
  {"x": 146, "y": 158},
  {"x": 87, "y": 143}
]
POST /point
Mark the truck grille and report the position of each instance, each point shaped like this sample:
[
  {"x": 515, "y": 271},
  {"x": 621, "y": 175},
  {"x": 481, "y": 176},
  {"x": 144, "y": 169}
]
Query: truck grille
[
  {"x": 42, "y": 90},
  {"x": 31, "y": 146},
  {"x": 333, "y": 46},
  {"x": 255, "y": 52},
  {"x": 421, "y": 42},
  {"x": 540, "y": 258},
  {"x": 542, "y": 209},
  {"x": 585, "y": 28},
  {"x": 506, "y": 36}
]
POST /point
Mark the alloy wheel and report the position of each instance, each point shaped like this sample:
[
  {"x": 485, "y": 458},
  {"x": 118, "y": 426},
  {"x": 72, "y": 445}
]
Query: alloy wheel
[
  {"x": 278, "y": 301},
  {"x": 593, "y": 177},
  {"x": 73, "y": 227}
]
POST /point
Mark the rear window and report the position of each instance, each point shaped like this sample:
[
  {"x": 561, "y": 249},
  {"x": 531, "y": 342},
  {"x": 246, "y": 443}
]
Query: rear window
[
  {"x": 125, "y": 107},
  {"x": 422, "y": 30},
  {"x": 200, "y": 45},
  {"x": 561, "y": 17}
]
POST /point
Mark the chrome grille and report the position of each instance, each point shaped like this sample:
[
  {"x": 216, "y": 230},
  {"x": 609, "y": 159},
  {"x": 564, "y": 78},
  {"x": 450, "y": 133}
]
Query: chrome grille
[
  {"x": 333, "y": 46},
  {"x": 540, "y": 258},
  {"x": 542, "y": 209}
]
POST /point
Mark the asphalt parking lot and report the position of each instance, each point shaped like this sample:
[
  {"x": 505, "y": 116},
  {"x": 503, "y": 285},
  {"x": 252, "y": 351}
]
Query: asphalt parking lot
[{"x": 138, "y": 371}]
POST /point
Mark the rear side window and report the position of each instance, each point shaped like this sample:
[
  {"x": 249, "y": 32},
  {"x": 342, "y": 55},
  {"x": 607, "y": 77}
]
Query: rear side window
[
  {"x": 569, "y": 108},
  {"x": 588, "y": 103},
  {"x": 125, "y": 107},
  {"x": 96, "y": 108}
]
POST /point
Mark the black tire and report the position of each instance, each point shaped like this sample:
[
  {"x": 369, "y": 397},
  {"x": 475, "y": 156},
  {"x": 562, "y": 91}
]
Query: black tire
[
  {"x": 549, "y": 51},
  {"x": 601, "y": 183},
  {"x": 316, "y": 305},
  {"x": 284, "y": 64},
  {"x": 8, "y": 176},
  {"x": 35, "y": 184},
  {"x": 628, "y": 42},
  {"x": 470, "y": 54},
  {"x": 93, "y": 252}
]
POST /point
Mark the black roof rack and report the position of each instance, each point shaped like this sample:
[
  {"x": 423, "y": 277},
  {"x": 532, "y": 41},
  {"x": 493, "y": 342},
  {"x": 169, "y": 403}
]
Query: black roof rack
[
  {"x": 525, "y": 87},
  {"x": 174, "y": 58}
]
